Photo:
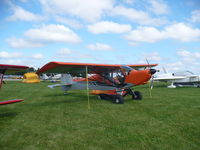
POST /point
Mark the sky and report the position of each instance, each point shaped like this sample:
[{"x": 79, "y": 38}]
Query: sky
[{"x": 166, "y": 32}]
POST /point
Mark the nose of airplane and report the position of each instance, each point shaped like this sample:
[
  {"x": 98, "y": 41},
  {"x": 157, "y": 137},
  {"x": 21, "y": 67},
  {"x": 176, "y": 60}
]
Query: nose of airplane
[{"x": 152, "y": 71}]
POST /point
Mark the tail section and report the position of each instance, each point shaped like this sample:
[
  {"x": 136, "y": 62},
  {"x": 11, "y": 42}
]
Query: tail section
[
  {"x": 164, "y": 70},
  {"x": 66, "y": 79},
  {"x": 66, "y": 82}
]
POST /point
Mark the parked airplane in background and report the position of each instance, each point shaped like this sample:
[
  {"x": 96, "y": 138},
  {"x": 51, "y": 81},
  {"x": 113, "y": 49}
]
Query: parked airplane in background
[
  {"x": 179, "y": 79},
  {"x": 10, "y": 68},
  {"x": 51, "y": 77},
  {"x": 101, "y": 77}
]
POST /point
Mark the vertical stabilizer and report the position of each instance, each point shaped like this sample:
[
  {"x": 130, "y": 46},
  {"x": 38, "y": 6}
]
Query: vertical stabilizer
[
  {"x": 66, "y": 79},
  {"x": 165, "y": 71}
]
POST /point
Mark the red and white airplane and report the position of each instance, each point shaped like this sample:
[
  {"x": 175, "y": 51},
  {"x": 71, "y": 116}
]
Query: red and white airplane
[
  {"x": 105, "y": 80},
  {"x": 9, "y": 68}
]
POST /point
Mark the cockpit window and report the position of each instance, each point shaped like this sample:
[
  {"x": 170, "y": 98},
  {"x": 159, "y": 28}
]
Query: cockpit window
[{"x": 127, "y": 68}]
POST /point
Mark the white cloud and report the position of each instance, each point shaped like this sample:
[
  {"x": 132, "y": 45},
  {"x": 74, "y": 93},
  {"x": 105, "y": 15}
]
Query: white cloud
[
  {"x": 108, "y": 27},
  {"x": 52, "y": 33},
  {"x": 24, "y": 15},
  {"x": 181, "y": 66},
  {"x": 152, "y": 57},
  {"x": 7, "y": 55},
  {"x": 173, "y": 67},
  {"x": 45, "y": 34},
  {"x": 186, "y": 60},
  {"x": 37, "y": 56},
  {"x": 196, "y": 16},
  {"x": 137, "y": 16},
  {"x": 64, "y": 51},
  {"x": 188, "y": 57},
  {"x": 87, "y": 10},
  {"x": 145, "y": 34},
  {"x": 13, "y": 61},
  {"x": 100, "y": 46},
  {"x": 70, "y": 22},
  {"x": 182, "y": 32},
  {"x": 177, "y": 31},
  {"x": 23, "y": 43},
  {"x": 159, "y": 7},
  {"x": 95, "y": 10}
]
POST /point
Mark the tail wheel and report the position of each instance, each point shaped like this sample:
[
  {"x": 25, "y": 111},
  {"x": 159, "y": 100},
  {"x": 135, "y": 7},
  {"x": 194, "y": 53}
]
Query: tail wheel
[
  {"x": 118, "y": 99},
  {"x": 137, "y": 95}
]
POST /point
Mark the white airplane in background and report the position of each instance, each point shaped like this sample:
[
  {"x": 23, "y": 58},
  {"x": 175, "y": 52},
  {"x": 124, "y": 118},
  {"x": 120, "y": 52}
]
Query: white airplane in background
[
  {"x": 179, "y": 79},
  {"x": 52, "y": 77}
]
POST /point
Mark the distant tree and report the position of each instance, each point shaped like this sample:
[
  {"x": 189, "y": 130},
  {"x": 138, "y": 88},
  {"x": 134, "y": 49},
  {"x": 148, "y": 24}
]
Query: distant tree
[{"x": 31, "y": 69}]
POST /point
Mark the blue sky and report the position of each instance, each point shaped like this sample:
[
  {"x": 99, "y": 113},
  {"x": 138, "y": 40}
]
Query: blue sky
[{"x": 167, "y": 32}]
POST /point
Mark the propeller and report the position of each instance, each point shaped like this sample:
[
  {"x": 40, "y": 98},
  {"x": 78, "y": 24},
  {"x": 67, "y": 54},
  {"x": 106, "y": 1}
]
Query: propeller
[{"x": 151, "y": 82}]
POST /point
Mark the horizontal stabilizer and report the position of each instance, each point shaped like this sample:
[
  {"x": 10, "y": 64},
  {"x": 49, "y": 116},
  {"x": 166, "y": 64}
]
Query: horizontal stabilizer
[{"x": 54, "y": 85}]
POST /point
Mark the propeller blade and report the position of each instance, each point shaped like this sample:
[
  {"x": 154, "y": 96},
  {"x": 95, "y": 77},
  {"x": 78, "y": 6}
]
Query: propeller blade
[{"x": 148, "y": 63}]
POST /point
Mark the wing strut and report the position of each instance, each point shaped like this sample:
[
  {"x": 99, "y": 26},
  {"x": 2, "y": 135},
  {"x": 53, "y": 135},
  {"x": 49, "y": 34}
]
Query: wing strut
[{"x": 88, "y": 96}]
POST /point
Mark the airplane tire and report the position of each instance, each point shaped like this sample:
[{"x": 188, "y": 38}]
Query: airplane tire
[
  {"x": 137, "y": 95},
  {"x": 118, "y": 99}
]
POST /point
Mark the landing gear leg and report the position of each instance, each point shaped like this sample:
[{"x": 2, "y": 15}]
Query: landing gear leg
[{"x": 136, "y": 95}]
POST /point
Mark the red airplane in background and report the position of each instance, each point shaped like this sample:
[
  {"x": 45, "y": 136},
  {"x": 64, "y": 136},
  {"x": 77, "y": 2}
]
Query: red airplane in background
[
  {"x": 106, "y": 80},
  {"x": 9, "y": 68}
]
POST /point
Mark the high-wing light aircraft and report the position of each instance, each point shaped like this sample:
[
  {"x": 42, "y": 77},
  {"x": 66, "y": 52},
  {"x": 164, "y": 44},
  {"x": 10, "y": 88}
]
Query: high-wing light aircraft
[
  {"x": 114, "y": 81},
  {"x": 179, "y": 79},
  {"x": 7, "y": 68}
]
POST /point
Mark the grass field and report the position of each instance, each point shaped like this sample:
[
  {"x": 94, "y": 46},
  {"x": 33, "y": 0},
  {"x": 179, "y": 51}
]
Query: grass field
[{"x": 48, "y": 119}]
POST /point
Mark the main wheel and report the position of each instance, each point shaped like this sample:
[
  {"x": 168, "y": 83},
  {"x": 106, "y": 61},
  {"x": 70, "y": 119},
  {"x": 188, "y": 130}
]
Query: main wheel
[
  {"x": 118, "y": 99},
  {"x": 137, "y": 95}
]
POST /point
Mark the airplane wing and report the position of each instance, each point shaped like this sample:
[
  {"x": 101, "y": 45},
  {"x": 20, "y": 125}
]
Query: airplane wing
[
  {"x": 12, "y": 67},
  {"x": 169, "y": 78},
  {"x": 193, "y": 76},
  {"x": 10, "y": 101},
  {"x": 69, "y": 67},
  {"x": 9, "y": 68}
]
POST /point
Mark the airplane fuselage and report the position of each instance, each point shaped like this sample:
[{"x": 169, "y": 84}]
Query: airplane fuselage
[{"x": 179, "y": 80}]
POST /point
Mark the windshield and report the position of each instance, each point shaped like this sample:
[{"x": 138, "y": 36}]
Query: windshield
[{"x": 127, "y": 68}]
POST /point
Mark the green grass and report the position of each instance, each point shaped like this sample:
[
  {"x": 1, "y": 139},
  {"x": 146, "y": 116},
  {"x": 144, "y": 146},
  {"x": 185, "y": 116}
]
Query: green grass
[{"x": 48, "y": 119}]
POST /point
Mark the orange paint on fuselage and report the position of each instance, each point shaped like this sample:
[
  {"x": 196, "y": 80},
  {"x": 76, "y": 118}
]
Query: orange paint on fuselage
[
  {"x": 135, "y": 77},
  {"x": 138, "y": 77}
]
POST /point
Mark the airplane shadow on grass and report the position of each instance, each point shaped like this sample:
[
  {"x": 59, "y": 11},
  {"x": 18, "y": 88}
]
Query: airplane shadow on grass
[
  {"x": 57, "y": 99},
  {"x": 8, "y": 114}
]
